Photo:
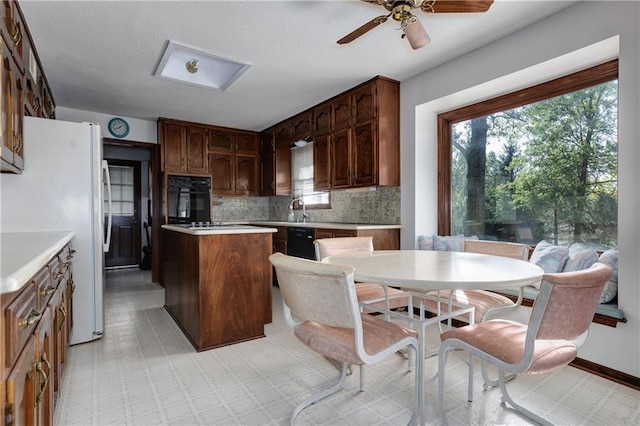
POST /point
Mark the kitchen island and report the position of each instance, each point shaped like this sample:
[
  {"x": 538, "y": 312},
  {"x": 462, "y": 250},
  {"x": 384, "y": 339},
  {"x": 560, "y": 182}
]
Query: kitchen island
[{"x": 217, "y": 282}]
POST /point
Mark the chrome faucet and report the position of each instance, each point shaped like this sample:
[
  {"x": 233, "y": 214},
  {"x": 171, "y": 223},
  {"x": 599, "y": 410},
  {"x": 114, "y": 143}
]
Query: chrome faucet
[{"x": 305, "y": 215}]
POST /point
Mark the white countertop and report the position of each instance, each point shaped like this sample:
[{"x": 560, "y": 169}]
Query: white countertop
[
  {"x": 325, "y": 225},
  {"x": 220, "y": 230},
  {"x": 23, "y": 254}
]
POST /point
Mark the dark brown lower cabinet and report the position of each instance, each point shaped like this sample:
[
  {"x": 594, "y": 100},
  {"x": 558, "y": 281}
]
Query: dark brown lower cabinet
[
  {"x": 36, "y": 341},
  {"x": 383, "y": 239}
]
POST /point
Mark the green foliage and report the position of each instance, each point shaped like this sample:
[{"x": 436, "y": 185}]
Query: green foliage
[{"x": 551, "y": 165}]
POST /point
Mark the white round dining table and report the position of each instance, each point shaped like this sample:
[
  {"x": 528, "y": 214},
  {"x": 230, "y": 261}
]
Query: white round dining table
[{"x": 425, "y": 270}]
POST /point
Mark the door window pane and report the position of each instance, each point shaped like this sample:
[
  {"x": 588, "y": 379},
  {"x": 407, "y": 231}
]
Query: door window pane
[{"x": 122, "y": 191}]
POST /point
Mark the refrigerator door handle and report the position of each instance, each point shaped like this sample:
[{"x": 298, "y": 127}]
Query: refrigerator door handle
[{"x": 107, "y": 238}]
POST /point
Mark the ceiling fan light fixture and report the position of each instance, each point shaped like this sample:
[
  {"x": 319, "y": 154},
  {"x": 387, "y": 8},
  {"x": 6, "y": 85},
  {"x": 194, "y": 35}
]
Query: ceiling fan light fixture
[
  {"x": 197, "y": 67},
  {"x": 415, "y": 33}
]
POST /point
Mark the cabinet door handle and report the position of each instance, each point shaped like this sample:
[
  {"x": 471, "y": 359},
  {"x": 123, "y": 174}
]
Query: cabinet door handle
[
  {"x": 17, "y": 142},
  {"x": 66, "y": 265},
  {"x": 58, "y": 276},
  {"x": 63, "y": 311},
  {"x": 31, "y": 319},
  {"x": 71, "y": 284},
  {"x": 39, "y": 369}
]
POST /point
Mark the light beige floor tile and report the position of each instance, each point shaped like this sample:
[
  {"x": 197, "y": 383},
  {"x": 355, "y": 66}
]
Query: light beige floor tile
[{"x": 145, "y": 372}]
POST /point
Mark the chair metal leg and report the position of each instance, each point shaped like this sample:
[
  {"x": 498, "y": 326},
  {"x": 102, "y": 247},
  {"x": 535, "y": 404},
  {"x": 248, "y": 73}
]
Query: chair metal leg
[
  {"x": 362, "y": 378},
  {"x": 317, "y": 397},
  {"x": 470, "y": 379},
  {"x": 519, "y": 408},
  {"x": 442, "y": 362},
  {"x": 489, "y": 382}
]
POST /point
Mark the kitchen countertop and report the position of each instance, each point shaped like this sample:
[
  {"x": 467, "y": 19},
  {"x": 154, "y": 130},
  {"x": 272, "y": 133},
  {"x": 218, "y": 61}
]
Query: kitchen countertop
[
  {"x": 23, "y": 254},
  {"x": 325, "y": 225},
  {"x": 226, "y": 228}
]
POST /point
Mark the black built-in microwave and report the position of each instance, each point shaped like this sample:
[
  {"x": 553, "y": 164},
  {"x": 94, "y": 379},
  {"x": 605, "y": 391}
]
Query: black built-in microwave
[{"x": 188, "y": 199}]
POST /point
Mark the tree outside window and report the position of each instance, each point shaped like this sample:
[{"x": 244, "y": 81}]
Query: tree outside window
[{"x": 525, "y": 171}]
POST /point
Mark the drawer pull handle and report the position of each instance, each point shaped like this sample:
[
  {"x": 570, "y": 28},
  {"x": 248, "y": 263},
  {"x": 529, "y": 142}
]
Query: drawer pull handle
[
  {"x": 47, "y": 291},
  {"x": 71, "y": 284},
  {"x": 43, "y": 384},
  {"x": 66, "y": 265},
  {"x": 58, "y": 276},
  {"x": 17, "y": 35},
  {"x": 31, "y": 319},
  {"x": 35, "y": 103}
]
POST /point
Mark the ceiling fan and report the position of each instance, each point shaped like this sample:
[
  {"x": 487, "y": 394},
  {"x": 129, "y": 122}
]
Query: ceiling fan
[{"x": 412, "y": 29}]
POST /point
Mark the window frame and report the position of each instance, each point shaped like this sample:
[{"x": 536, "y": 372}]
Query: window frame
[{"x": 576, "y": 81}]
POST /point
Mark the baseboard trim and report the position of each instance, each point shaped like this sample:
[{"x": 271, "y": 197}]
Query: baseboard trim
[{"x": 607, "y": 373}]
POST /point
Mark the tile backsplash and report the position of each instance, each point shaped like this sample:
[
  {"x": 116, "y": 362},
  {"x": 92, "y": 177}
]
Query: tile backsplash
[{"x": 375, "y": 205}]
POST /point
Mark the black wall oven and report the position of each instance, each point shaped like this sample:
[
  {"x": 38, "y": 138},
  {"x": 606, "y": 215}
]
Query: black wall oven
[{"x": 188, "y": 199}]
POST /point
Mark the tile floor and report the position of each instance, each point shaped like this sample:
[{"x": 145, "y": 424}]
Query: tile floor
[{"x": 145, "y": 372}]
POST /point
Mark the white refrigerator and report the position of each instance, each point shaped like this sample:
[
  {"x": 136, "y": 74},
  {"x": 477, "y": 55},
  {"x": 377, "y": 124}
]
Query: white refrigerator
[{"x": 63, "y": 188}]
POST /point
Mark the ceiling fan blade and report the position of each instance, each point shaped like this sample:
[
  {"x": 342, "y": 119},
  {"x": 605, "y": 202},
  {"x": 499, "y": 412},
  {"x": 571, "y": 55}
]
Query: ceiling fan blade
[
  {"x": 363, "y": 29},
  {"x": 456, "y": 6}
]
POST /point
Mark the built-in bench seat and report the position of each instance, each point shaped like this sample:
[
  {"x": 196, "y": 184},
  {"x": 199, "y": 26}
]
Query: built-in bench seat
[{"x": 552, "y": 259}]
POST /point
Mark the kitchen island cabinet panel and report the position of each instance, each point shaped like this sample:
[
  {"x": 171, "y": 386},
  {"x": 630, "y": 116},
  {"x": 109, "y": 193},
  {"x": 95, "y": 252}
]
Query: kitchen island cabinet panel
[
  {"x": 180, "y": 279},
  {"x": 217, "y": 287}
]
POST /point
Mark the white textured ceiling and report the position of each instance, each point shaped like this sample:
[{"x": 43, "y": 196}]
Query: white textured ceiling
[{"x": 101, "y": 55}]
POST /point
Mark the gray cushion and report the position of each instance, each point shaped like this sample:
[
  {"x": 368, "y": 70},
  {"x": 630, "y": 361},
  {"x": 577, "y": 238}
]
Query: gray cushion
[
  {"x": 610, "y": 258},
  {"x": 580, "y": 257},
  {"x": 452, "y": 243},
  {"x": 549, "y": 257},
  {"x": 425, "y": 242}
]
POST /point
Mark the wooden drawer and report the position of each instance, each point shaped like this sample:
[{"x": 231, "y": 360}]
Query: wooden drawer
[
  {"x": 22, "y": 316},
  {"x": 44, "y": 286},
  {"x": 56, "y": 271},
  {"x": 65, "y": 258}
]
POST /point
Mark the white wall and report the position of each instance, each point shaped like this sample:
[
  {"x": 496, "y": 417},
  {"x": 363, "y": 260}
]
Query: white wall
[
  {"x": 140, "y": 130},
  {"x": 575, "y": 38}
]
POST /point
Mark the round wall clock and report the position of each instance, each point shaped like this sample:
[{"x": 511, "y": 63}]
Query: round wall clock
[{"x": 118, "y": 127}]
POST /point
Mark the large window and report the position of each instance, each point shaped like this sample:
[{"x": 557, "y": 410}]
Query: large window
[{"x": 537, "y": 164}]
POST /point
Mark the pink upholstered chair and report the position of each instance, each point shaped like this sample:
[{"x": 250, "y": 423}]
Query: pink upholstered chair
[
  {"x": 319, "y": 302},
  {"x": 487, "y": 304},
  {"x": 559, "y": 323},
  {"x": 365, "y": 291}
]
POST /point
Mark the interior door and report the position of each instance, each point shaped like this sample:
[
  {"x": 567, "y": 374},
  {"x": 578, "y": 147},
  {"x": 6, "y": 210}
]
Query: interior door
[{"x": 125, "y": 204}]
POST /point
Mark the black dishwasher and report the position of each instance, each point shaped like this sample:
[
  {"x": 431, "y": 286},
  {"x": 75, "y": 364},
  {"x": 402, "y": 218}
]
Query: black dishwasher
[{"x": 300, "y": 242}]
